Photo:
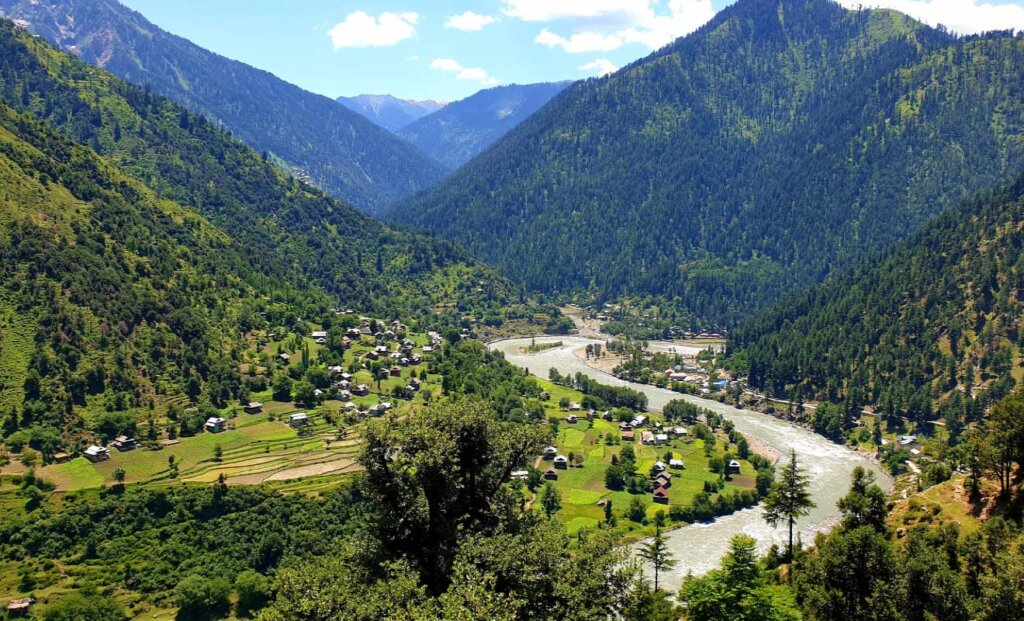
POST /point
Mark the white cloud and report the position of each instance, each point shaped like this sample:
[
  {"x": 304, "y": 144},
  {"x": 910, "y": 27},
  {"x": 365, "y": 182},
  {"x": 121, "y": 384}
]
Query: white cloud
[
  {"x": 610, "y": 24},
  {"x": 601, "y": 66},
  {"x": 362, "y": 30},
  {"x": 580, "y": 42},
  {"x": 962, "y": 16},
  {"x": 474, "y": 74},
  {"x": 468, "y": 21}
]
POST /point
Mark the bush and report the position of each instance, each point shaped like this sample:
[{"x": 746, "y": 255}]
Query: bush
[
  {"x": 202, "y": 598},
  {"x": 253, "y": 591}
]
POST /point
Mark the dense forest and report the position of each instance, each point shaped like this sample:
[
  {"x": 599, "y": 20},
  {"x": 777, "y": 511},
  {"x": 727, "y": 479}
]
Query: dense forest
[
  {"x": 463, "y": 129},
  {"x": 936, "y": 320},
  {"x": 780, "y": 143},
  {"x": 333, "y": 147}
]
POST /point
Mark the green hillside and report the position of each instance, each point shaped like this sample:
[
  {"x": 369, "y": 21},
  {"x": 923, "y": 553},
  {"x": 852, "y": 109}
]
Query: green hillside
[
  {"x": 781, "y": 143},
  {"x": 328, "y": 144},
  {"x": 937, "y": 319},
  {"x": 288, "y": 228},
  {"x": 111, "y": 297}
]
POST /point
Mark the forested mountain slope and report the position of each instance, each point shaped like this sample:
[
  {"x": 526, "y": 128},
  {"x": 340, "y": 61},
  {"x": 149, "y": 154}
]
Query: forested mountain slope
[
  {"x": 288, "y": 227},
  {"x": 781, "y": 142},
  {"x": 390, "y": 112},
  {"x": 110, "y": 295},
  {"x": 461, "y": 130},
  {"x": 940, "y": 316},
  {"x": 339, "y": 150},
  {"x": 135, "y": 276}
]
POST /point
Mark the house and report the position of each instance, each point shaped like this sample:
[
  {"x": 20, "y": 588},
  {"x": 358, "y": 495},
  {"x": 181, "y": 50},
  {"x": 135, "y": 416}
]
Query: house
[
  {"x": 647, "y": 437},
  {"x": 96, "y": 453},
  {"x": 519, "y": 475},
  {"x": 575, "y": 406},
  {"x": 396, "y": 371},
  {"x": 550, "y": 452},
  {"x": 320, "y": 341},
  {"x": 346, "y": 377},
  {"x": 663, "y": 480},
  {"x": 415, "y": 383},
  {"x": 299, "y": 419},
  {"x": 336, "y": 369},
  {"x": 348, "y": 405},
  {"x": 572, "y": 419},
  {"x": 675, "y": 464},
  {"x": 661, "y": 438},
  {"x": 253, "y": 407},
  {"x": 639, "y": 421},
  {"x": 344, "y": 395},
  {"x": 908, "y": 440},
  {"x": 734, "y": 466},
  {"x": 215, "y": 424},
  {"x": 372, "y": 355},
  {"x": 285, "y": 358},
  {"x": 660, "y": 495},
  {"x": 20, "y": 607},
  {"x": 342, "y": 384},
  {"x": 550, "y": 475},
  {"x": 361, "y": 390},
  {"x": 624, "y": 426},
  {"x": 383, "y": 373},
  {"x": 124, "y": 443},
  {"x": 628, "y": 436},
  {"x": 415, "y": 359},
  {"x": 318, "y": 334},
  {"x": 659, "y": 466},
  {"x": 679, "y": 432},
  {"x": 561, "y": 462},
  {"x": 427, "y": 349},
  {"x": 61, "y": 457}
]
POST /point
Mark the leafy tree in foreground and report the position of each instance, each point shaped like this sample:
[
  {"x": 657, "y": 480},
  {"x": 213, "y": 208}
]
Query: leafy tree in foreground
[
  {"x": 788, "y": 499},
  {"x": 437, "y": 478},
  {"x": 737, "y": 591}
]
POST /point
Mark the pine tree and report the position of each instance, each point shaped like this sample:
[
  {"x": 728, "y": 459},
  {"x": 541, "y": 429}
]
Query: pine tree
[
  {"x": 788, "y": 499},
  {"x": 657, "y": 554}
]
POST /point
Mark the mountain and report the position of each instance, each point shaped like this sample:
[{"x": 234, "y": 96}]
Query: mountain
[
  {"x": 338, "y": 150},
  {"x": 933, "y": 320},
  {"x": 112, "y": 298},
  {"x": 782, "y": 142},
  {"x": 462, "y": 130},
  {"x": 390, "y": 112},
  {"x": 133, "y": 277}
]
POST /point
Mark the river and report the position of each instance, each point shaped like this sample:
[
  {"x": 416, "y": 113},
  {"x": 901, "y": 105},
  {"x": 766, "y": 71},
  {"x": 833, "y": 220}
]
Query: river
[{"x": 699, "y": 547}]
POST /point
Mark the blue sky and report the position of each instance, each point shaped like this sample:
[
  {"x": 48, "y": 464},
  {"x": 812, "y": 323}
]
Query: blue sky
[{"x": 449, "y": 49}]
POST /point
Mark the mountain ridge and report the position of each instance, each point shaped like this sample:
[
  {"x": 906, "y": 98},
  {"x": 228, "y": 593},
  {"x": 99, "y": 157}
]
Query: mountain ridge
[
  {"x": 390, "y": 112},
  {"x": 463, "y": 129},
  {"x": 335, "y": 148},
  {"x": 717, "y": 180}
]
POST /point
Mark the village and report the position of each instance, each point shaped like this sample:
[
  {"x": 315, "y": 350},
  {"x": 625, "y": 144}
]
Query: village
[
  {"x": 299, "y": 436},
  {"x": 634, "y": 470}
]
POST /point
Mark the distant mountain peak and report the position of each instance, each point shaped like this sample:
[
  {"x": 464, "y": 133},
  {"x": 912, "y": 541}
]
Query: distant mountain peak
[
  {"x": 461, "y": 130},
  {"x": 390, "y": 112}
]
